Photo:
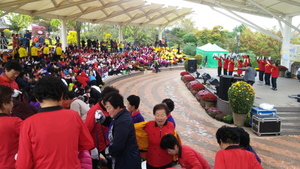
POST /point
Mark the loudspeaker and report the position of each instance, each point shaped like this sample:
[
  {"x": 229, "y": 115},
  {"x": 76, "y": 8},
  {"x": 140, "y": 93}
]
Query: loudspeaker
[
  {"x": 225, "y": 83},
  {"x": 213, "y": 81},
  {"x": 235, "y": 79},
  {"x": 192, "y": 65},
  {"x": 205, "y": 77}
]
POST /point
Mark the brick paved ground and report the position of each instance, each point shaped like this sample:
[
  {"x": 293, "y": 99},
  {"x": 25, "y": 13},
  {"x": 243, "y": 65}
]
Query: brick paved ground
[{"x": 195, "y": 127}]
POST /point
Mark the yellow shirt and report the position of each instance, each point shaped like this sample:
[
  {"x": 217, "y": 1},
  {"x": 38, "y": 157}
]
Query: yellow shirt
[
  {"x": 34, "y": 51},
  {"x": 121, "y": 45},
  {"x": 22, "y": 52},
  {"x": 46, "y": 50},
  {"x": 58, "y": 51}
]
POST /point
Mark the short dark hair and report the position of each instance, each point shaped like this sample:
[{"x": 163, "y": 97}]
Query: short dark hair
[
  {"x": 168, "y": 141},
  {"x": 244, "y": 137},
  {"x": 5, "y": 93},
  {"x": 134, "y": 101},
  {"x": 169, "y": 103},
  {"x": 160, "y": 107},
  {"x": 115, "y": 99},
  {"x": 69, "y": 95},
  {"x": 49, "y": 87},
  {"x": 107, "y": 90},
  {"x": 249, "y": 64},
  {"x": 228, "y": 134},
  {"x": 13, "y": 65}
]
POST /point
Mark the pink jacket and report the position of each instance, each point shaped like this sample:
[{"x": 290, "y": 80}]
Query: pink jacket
[{"x": 85, "y": 159}]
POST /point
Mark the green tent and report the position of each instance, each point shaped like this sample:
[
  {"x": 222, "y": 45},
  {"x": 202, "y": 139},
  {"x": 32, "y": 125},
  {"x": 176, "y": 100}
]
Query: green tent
[{"x": 208, "y": 51}]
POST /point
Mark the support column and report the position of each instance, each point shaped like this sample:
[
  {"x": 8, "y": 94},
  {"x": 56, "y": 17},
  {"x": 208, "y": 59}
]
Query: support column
[
  {"x": 285, "y": 53},
  {"x": 120, "y": 33},
  {"x": 63, "y": 35},
  {"x": 160, "y": 29}
]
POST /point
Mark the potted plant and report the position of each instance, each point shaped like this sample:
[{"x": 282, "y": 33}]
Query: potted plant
[
  {"x": 201, "y": 93},
  {"x": 210, "y": 100},
  {"x": 196, "y": 88},
  {"x": 228, "y": 119},
  {"x": 184, "y": 73},
  {"x": 241, "y": 98},
  {"x": 192, "y": 83}
]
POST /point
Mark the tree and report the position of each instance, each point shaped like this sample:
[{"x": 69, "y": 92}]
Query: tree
[
  {"x": 190, "y": 38},
  {"x": 18, "y": 21},
  {"x": 217, "y": 36},
  {"x": 190, "y": 49},
  {"x": 186, "y": 24}
]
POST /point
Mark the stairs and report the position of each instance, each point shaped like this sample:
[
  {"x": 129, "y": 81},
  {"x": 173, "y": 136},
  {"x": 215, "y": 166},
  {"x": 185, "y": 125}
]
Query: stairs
[{"x": 290, "y": 124}]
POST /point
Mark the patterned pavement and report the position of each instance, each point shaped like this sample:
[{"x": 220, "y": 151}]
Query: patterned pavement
[{"x": 195, "y": 127}]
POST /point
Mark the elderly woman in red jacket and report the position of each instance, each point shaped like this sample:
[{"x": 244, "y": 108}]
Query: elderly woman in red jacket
[{"x": 157, "y": 157}]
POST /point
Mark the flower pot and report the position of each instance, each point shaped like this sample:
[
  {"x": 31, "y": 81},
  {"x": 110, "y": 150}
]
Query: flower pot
[
  {"x": 239, "y": 119},
  {"x": 209, "y": 104}
]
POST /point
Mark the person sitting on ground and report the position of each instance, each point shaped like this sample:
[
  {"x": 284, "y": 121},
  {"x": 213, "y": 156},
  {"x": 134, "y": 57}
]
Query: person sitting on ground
[
  {"x": 188, "y": 158},
  {"x": 171, "y": 106},
  {"x": 133, "y": 108},
  {"x": 231, "y": 156},
  {"x": 245, "y": 142},
  {"x": 72, "y": 102}
]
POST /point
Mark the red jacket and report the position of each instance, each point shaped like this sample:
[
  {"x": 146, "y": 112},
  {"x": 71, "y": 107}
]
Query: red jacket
[
  {"x": 261, "y": 64},
  {"x": 226, "y": 61},
  {"x": 268, "y": 67},
  {"x": 156, "y": 156},
  {"x": 9, "y": 131},
  {"x": 231, "y": 66},
  {"x": 7, "y": 82},
  {"x": 275, "y": 70},
  {"x": 235, "y": 158},
  {"x": 240, "y": 65},
  {"x": 96, "y": 128},
  {"x": 219, "y": 61},
  {"x": 83, "y": 79},
  {"x": 52, "y": 138},
  {"x": 191, "y": 159}
]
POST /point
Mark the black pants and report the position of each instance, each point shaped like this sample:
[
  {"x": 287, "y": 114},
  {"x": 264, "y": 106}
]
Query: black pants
[
  {"x": 219, "y": 70},
  {"x": 261, "y": 75},
  {"x": 162, "y": 167},
  {"x": 230, "y": 73},
  {"x": 274, "y": 82},
  {"x": 225, "y": 71},
  {"x": 267, "y": 78}
]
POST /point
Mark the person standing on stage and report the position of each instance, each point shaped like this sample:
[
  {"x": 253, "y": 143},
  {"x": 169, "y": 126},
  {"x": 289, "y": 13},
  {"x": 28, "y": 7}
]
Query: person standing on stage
[
  {"x": 261, "y": 62},
  {"x": 219, "y": 64}
]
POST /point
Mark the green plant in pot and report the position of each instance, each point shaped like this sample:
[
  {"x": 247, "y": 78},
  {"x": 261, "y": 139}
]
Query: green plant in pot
[{"x": 241, "y": 98}]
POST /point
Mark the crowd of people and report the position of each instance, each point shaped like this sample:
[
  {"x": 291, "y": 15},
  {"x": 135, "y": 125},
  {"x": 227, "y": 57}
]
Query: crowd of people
[
  {"x": 267, "y": 69},
  {"x": 55, "y": 113},
  {"x": 105, "y": 133}
]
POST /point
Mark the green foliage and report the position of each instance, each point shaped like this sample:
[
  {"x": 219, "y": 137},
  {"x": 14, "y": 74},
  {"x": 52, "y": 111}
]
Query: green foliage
[
  {"x": 189, "y": 49},
  {"x": 189, "y": 38},
  {"x": 217, "y": 35},
  {"x": 241, "y": 97},
  {"x": 18, "y": 21},
  {"x": 199, "y": 59}
]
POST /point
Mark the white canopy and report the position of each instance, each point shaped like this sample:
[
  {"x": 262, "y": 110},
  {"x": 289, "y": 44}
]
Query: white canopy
[{"x": 119, "y": 12}]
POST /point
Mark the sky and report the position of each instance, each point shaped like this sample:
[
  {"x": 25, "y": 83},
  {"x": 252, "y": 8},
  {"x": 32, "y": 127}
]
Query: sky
[{"x": 205, "y": 17}]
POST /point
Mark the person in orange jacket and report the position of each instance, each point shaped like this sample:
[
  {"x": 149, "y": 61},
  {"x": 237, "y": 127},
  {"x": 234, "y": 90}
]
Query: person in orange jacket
[
  {"x": 274, "y": 75},
  {"x": 268, "y": 72}
]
